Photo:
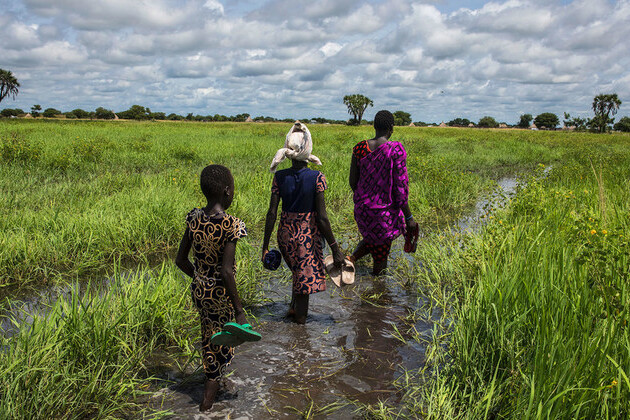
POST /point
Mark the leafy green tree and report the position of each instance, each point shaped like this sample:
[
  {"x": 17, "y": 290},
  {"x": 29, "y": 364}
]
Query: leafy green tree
[
  {"x": 357, "y": 104},
  {"x": 579, "y": 123},
  {"x": 136, "y": 112},
  {"x": 79, "y": 113},
  {"x": 8, "y": 84},
  {"x": 604, "y": 106},
  {"x": 459, "y": 122},
  {"x": 103, "y": 114},
  {"x": 488, "y": 122},
  {"x": 158, "y": 116},
  {"x": 546, "y": 120},
  {"x": 402, "y": 118},
  {"x": 35, "y": 110},
  {"x": 240, "y": 117},
  {"x": 623, "y": 124},
  {"x": 51, "y": 113},
  {"x": 8, "y": 112},
  {"x": 525, "y": 121},
  {"x": 174, "y": 117}
]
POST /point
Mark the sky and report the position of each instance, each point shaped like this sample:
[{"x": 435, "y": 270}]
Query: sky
[{"x": 437, "y": 60}]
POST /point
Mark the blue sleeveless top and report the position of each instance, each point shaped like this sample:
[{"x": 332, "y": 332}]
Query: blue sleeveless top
[{"x": 298, "y": 188}]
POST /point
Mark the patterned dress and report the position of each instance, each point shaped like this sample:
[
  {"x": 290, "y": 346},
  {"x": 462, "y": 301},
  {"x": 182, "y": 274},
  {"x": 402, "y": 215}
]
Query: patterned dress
[
  {"x": 299, "y": 238},
  {"x": 209, "y": 236},
  {"x": 382, "y": 191}
]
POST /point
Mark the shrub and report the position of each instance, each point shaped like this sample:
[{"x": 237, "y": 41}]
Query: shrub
[
  {"x": 16, "y": 147},
  {"x": 488, "y": 122}
]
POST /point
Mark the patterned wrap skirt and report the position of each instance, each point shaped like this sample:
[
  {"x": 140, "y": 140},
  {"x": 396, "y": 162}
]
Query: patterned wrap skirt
[
  {"x": 300, "y": 243},
  {"x": 215, "y": 309}
]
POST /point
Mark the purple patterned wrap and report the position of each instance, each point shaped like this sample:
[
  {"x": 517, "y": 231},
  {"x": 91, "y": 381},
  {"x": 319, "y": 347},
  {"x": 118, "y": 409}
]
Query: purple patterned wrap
[{"x": 382, "y": 191}]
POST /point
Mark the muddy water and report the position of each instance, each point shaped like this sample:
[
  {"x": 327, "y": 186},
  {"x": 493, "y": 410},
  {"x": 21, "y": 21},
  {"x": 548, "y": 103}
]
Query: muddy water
[{"x": 346, "y": 352}]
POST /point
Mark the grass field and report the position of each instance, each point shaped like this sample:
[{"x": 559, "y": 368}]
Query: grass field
[{"x": 535, "y": 304}]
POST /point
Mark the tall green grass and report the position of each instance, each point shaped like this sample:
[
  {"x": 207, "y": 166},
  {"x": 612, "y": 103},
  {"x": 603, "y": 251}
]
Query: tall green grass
[
  {"x": 85, "y": 358},
  {"x": 535, "y": 304},
  {"x": 76, "y": 195}
]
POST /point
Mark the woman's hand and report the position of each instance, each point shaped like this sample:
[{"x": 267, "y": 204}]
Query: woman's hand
[
  {"x": 338, "y": 256},
  {"x": 412, "y": 225}
]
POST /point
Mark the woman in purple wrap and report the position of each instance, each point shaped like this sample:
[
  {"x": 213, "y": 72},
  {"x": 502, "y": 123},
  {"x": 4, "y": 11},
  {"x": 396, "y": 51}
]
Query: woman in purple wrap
[{"x": 378, "y": 177}]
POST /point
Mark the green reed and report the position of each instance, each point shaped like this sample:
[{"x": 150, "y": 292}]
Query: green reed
[
  {"x": 85, "y": 357},
  {"x": 78, "y": 195},
  {"x": 535, "y": 321}
]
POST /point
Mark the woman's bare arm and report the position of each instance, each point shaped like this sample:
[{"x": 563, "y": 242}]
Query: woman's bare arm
[
  {"x": 354, "y": 173},
  {"x": 270, "y": 221}
]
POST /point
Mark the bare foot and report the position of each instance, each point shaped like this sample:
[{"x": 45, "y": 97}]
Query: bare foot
[
  {"x": 209, "y": 394},
  {"x": 300, "y": 320}
]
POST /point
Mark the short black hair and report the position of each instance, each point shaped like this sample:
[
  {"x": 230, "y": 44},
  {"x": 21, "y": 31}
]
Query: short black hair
[
  {"x": 214, "y": 179},
  {"x": 383, "y": 120}
]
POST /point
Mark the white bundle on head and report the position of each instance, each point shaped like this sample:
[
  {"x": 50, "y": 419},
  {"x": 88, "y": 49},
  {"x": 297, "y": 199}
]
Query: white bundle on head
[{"x": 297, "y": 146}]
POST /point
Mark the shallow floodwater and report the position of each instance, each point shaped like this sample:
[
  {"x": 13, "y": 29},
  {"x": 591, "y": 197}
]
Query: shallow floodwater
[
  {"x": 345, "y": 352},
  {"x": 348, "y": 351}
]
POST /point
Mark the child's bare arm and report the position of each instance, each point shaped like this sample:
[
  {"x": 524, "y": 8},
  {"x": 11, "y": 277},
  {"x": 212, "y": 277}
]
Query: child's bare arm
[
  {"x": 227, "y": 274},
  {"x": 182, "y": 260},
  {"x": 270, "y": 221}
]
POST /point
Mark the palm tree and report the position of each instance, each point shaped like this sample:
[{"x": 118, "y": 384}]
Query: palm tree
[{"x": 8, "y": 84}]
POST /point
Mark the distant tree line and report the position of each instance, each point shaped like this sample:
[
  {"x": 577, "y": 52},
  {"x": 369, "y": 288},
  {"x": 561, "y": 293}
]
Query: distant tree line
[
  {"x": 138, "y": 112},
  {"x": 605, "y": 107}
]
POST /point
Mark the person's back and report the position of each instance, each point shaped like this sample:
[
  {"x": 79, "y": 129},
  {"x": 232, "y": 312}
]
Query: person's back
[
  {"x": 378, "y": 178},
  {"x": 382, "y": 185},
  {"x": 297, "y": 189},
  {"x": 209, "y": 236},
  {"x": 303, "y": 220}
]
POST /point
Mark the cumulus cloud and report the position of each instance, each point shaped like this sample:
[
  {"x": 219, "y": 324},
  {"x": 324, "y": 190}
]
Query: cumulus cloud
[{"x": 501, "y": 58}]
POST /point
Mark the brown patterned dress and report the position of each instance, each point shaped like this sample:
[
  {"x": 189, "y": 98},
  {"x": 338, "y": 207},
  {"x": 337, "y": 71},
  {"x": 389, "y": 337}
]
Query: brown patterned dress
[{"x": 209, "y": 236}]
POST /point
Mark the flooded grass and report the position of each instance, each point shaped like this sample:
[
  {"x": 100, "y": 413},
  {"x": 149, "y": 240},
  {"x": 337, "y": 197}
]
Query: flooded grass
[
  {"x": 535, "y": 306},
  {"x": 522, "y": 315}
]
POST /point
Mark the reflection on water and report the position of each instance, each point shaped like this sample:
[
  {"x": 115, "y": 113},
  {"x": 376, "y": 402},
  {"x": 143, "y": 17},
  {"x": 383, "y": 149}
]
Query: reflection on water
[
  {"x": 346, "y": 351},
  {"x": 504, "y": 191}
]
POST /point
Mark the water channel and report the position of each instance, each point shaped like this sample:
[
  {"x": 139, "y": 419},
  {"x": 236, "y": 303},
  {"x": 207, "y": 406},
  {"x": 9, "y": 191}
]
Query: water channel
[{"x": 348, "y": 352}]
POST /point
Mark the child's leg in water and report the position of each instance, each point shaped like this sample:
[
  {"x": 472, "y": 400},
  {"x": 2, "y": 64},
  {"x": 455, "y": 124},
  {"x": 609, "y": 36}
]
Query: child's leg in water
[
  {"x": 301, "y": 308},
  {"x": 211, "y": 387}
]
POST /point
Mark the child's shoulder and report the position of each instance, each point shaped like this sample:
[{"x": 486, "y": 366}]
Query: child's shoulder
[
  {"x": 234, "y": 225},
  {"x": 194, "y": 214}
]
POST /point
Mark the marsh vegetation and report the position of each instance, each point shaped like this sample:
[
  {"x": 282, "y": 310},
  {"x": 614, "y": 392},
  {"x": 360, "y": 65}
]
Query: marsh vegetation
[{"x": 527, "y": 314}]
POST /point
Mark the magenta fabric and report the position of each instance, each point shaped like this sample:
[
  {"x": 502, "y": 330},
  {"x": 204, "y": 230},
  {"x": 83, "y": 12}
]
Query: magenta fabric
[{"x": 382, "y": 191}]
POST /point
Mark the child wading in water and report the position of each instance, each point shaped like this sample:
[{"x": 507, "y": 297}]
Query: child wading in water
[
  {"x": 303, "y": 220},
  {"x": 378, "y": 177},
  {"x": 212, "y": 234}
]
